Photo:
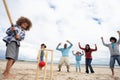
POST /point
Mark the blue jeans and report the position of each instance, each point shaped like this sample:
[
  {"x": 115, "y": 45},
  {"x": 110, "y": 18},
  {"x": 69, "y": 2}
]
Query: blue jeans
[
  {"x": 112, "y": 60},
  {"x": 88, "y": 65}
]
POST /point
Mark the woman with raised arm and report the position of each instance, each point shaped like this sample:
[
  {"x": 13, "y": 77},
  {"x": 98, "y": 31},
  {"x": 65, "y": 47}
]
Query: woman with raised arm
[{"x": 88, "y": 56}]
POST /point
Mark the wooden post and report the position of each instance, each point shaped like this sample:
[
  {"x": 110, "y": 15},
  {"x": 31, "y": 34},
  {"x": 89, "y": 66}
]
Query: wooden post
[
  {"x": 8, "y": 13},
  {"x": 45, "y": 65},
  {"x": 51, "y": 66},
  {"x": 46, "y": 61},
  {"x": 37, "y": 70}
]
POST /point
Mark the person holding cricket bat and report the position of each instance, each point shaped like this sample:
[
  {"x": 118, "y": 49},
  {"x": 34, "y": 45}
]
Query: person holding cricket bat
[{"x": 15, "y": 34}]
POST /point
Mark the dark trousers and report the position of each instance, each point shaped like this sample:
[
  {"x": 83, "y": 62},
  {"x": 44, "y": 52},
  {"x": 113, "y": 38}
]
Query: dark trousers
[{"x": 88, "y": 65}]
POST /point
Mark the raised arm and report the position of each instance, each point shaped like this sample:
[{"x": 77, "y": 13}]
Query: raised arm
[
  {"x": 82, "y": 53},
  {"x": 119, "y": 37},
  {"x": 104, "y": 42},
  {"x": 57, "y": 48},
  {"x": 73, "y": 53},
  {"x": 69, "y": 43},
  {"x": 118, "y": 33},
  {"x": 80, "y": 46},
  {"x": 95, "y": 48}
]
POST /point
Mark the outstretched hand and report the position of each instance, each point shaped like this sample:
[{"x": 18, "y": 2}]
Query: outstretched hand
[
  {"x": 118, "y": 32},
  {"x": 102, "y": 38},
  {"x": 67, "y": 41},
  {"x": 95, "y": 45},
  {"x": 59, "y": 44}
]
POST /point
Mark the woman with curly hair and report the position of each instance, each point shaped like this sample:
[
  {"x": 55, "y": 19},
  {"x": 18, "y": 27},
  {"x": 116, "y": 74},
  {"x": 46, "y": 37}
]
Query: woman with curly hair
[{"x": 15, "y": 34}]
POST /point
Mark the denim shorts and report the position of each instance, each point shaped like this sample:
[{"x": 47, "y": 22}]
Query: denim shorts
[{"x": 114, "y": 58}]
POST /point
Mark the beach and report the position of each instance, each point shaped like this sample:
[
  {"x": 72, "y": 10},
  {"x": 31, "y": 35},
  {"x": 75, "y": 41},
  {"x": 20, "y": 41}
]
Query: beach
[{"x": 25, "y": 70}]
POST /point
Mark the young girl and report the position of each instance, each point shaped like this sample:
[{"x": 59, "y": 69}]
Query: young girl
[
  {"x": 15, "y": 34},
  {"x": 114, "y": 51},
  {"x": 78, "y": 56},
  {"x": 41, "y": 54},
  {"x": 88, "y": 56}
]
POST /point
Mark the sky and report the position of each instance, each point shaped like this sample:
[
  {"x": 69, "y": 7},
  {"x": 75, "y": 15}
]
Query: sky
[{"x": 55, "y": 21}]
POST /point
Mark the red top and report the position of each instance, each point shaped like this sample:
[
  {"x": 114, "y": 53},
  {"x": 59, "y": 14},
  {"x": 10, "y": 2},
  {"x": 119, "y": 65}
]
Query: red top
[{"x": 88, "y": 54}]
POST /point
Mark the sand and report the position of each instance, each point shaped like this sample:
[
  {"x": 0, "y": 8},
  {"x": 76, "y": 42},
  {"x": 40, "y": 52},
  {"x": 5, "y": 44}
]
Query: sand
[{"x": 24, "y": 70}]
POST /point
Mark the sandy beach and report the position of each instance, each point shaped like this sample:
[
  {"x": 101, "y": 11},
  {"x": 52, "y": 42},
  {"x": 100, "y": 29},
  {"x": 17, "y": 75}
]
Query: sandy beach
[{"x": 27, "y": 70}]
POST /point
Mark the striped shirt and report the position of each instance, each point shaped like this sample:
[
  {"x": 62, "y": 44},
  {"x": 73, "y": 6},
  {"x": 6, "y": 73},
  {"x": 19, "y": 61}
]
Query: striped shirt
[{"x": 11, "y": 35}]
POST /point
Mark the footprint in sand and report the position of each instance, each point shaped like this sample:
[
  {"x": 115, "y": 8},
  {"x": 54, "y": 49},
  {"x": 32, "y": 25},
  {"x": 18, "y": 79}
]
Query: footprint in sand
[
  {"x": 116, "y": 78},
  {"x": 1, "y": 76},
  {"x": 70, "y": 78}
]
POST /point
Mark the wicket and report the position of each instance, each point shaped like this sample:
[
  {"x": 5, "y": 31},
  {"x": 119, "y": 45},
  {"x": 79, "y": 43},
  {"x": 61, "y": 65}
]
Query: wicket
[{"x": 46, "y": 60}]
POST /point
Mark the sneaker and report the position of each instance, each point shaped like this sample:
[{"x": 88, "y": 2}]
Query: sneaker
[
  {"x": 87, "y": 72},
  {"x": 92, "y": 72}
]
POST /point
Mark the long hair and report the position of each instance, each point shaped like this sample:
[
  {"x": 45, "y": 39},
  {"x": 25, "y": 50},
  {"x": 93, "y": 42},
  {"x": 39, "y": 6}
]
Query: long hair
[{"x": 87, "y": 49}]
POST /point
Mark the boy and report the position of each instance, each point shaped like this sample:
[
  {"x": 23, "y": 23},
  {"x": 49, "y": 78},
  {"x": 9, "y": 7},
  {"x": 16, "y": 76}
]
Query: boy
[
  {"x": 41, "y": 54},
  {"x": 78, "y": 56},
  {"x": 114, "y": 51},
  {"x": 65, "y": 55},
  {"x": 15, "y": 34}
]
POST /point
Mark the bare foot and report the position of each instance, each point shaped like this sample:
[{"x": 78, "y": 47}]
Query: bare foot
[
  {"x": 112, "y": 73},
  {"x": 8, "y": 76}
]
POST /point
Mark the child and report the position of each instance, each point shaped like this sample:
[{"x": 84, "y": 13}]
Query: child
[
  {"x": 41, "y": 54},
  {"x": 65, "y": 55},
  {"x": 15, "y": 34},
  {"x": 78, "y": 56},
  {"x": 114, "y": 51},
  {"x": 88, "y": 56}
]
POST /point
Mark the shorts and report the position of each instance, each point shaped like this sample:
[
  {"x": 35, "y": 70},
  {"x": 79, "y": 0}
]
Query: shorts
[
  {"x": 12, "y": 51},
  {"x": 112, "y": 60}
]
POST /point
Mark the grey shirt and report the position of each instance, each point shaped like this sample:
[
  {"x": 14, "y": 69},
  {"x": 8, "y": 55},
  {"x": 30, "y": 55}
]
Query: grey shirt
[{"x": 115, "y": 50}]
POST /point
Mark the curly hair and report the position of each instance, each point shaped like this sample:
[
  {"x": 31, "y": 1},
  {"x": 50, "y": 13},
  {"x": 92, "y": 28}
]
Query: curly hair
[
  {"x": 24, "y": 20},
  {"x": 113, "y": 38}
]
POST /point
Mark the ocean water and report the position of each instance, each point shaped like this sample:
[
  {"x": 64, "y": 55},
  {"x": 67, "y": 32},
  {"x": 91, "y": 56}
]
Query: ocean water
[{"x": 95, "y": 61}]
